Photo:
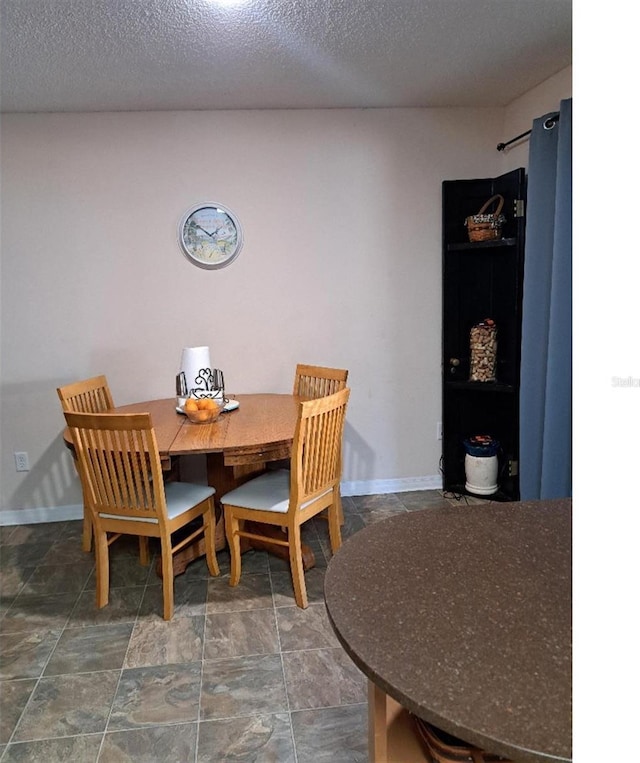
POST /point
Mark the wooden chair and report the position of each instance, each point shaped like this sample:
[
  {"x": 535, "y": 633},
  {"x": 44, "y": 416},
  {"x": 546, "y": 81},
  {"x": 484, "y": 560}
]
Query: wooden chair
[
  {"x": 87, "y": 396},
  {"x": 318, "y": 381},
  {"x": 122, "y": 479},
  {"x": 290, "y": 498}
]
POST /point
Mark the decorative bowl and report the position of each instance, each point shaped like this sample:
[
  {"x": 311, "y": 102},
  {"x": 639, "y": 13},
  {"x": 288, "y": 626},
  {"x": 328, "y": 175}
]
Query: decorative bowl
[{"x": 204, "y": 415}]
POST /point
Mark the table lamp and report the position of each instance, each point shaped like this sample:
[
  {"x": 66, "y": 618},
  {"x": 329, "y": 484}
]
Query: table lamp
[{"x": 196, "y": 378}]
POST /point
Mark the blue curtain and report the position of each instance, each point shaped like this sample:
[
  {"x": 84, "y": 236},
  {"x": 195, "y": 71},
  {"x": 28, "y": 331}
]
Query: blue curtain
[{"x": 545, "y": 385}]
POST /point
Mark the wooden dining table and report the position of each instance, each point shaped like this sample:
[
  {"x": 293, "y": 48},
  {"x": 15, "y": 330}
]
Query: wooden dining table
[{"x": 237, "y": 447}]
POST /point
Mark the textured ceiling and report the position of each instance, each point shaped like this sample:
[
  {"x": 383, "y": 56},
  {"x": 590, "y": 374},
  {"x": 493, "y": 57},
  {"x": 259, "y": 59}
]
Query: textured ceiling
[{"x": 126, "y": 55}]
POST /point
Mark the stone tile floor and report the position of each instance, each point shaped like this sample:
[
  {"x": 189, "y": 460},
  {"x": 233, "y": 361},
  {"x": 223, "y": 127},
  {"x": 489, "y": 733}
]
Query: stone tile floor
[{"x": 239, "y": 674}]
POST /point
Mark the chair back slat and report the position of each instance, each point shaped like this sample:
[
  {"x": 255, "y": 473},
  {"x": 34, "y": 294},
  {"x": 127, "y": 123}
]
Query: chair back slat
[
  {"x": 120, "y": 464},
  {"x": 87, "y": 396},
  {"x": 317, "y": 447},
  {"x": 318, "y": 381}
]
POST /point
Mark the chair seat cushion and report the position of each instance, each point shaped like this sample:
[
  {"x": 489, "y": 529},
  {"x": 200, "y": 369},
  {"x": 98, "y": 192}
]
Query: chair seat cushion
[
  {"x": 268, "y": 492},
  {"x": 181, "y": 496}
]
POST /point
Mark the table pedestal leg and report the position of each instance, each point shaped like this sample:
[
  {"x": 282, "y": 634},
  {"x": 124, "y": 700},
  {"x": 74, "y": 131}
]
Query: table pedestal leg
[
  {"x": 392, "y": 735},
  {"x": 377, "y": 724}
]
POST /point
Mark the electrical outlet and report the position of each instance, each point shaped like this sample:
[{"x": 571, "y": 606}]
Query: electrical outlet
[
  {"x": 513, "y": 468},
  {"x": 439, "y": 431},
  {"x": 22, "y": 461}
]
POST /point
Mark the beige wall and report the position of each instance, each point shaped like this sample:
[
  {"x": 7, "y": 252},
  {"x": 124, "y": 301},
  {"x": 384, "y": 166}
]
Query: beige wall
[
  {"x": 340, "y": 266},
  {"x": 518, "y": 115}
]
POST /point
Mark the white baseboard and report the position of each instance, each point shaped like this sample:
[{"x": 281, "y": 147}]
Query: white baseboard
[
  {"x": 400, "y": 485},
  {"x": 37, "y": 516},
  {"x": 363, "y": 487}
]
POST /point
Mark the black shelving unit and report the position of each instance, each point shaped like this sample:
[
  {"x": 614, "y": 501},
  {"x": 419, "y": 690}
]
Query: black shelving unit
[{"x": 482, "y": 280}]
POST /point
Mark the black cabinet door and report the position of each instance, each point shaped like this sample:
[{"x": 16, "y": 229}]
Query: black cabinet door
[{"x": 482, "y": 280}]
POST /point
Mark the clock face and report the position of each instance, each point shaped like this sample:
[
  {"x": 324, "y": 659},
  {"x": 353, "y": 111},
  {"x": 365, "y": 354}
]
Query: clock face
[{"x": 210, "y": 235}]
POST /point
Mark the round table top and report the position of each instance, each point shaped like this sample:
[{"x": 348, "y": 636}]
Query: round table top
[
  {"x": 463, "y": 615},
  {"x": 262, "y": 420}
]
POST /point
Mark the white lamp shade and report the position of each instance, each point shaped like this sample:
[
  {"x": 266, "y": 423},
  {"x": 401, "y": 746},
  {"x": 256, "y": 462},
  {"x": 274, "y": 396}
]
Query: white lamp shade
[{"x": 194, "y": 360}]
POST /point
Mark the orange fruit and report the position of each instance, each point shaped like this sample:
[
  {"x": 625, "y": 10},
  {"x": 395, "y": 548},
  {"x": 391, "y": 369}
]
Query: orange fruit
[{"x": 191, "y": 405}]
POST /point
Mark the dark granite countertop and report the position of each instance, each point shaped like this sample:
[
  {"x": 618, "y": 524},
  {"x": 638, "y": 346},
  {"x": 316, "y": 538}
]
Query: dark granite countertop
[{"x": 463, "y": 615}]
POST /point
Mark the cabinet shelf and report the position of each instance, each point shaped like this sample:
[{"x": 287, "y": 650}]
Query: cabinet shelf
[
  {"x": 498, "y": 243},
  {"x": 499, "y": 496},
  {"x": 474, "y": 386}
]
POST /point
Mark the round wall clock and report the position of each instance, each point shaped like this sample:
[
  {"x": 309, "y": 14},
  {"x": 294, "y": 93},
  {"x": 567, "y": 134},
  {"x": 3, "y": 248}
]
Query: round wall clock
[{"x": 210, "y": 235}]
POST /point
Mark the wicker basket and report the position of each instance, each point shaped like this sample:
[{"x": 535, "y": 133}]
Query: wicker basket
[
  {"x": 444, "y": 748},
  {"x": 486, "y": 226}
]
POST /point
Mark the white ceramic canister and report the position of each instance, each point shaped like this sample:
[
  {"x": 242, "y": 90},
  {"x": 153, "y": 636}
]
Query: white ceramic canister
[{"x": 481, "y": 465}]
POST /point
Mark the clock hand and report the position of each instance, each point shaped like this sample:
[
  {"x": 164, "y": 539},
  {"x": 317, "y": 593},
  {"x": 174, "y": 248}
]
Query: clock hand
[
  {"x": 206, "y": 231},
  {"x": 211, "y": 235}
]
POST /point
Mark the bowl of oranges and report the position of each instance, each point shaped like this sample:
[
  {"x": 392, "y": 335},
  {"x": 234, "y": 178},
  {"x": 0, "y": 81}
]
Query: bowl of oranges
[{"x": 204, "y": 410}]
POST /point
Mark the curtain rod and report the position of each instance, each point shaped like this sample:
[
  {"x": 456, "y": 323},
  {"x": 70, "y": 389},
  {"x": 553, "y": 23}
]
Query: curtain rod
[{"x": 549, "y": 124}]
